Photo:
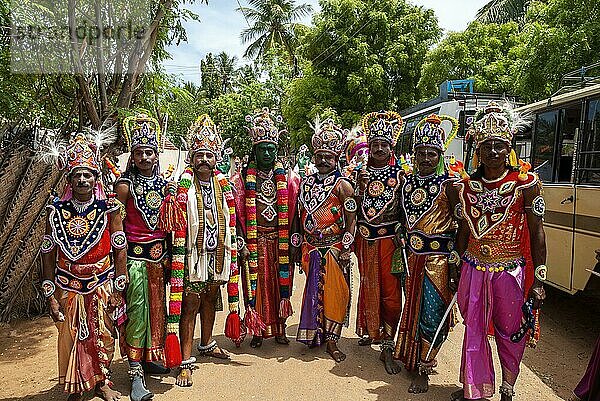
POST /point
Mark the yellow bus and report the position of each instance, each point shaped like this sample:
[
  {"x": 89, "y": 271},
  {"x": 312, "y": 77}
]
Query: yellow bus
[{"x": 563, "y": 146}]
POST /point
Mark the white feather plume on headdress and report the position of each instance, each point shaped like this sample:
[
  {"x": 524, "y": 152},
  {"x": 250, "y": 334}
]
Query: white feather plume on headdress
[
  {"x": 105, "y": 135},
  {"x": 49, "y": 145},
  {"x": 317, "y": 124},
  {"x": 520, "y": 122}
]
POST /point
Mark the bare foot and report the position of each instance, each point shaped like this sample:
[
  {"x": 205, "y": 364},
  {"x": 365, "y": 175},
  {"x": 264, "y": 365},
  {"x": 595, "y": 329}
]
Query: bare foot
[
  {"x": 364, "y": 341},
  {"x": 106, "y": 393},
  {"x": 256, "y": 342},
  {"x": 184, "y": 378},
  {"x": 505, "y": 397},
  {"x": 75, "y": 397},
  {"x": 420, "y": 383},
  {"x": 459, "y": 395},
  {"x": 219, "y": 353},
  {"x": 334, "y": 351},
  {"x": 282, "y": 340},
  {"x": 391, "y": 366}
]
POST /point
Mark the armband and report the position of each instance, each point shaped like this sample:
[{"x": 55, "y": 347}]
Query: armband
[
  {"x": 241, "y": 242},
  {"x": 458, "y": 211},
  {"x": 347, "y": 240},
  {"x": 48, "y": 288},
  {"x": 538, "y": 206},
  {"x": 454, "y": 258},
  {"x": 350, "y": 205},
  {"x": 296, "y": 240},
  {"x": 541, "y": 272},
  {"x": 118, "y": 240},
  {"x": 47, "y": 244},
  {"x": 120, "y": 282}
]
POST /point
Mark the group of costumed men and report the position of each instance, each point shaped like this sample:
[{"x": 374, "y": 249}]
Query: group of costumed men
[{"x": 435, "y": 233}]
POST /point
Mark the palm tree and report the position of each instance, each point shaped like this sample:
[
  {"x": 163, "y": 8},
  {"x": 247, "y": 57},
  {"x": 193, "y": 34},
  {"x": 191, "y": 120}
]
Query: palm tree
[
  {"x": 226, "y": 70},
  {"x": 274, "y": 22},
  {"x": 502, "y": 11}
]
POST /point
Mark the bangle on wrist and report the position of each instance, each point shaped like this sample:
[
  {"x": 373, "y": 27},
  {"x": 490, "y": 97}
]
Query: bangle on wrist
[
  {"x": 541, "y": 272},
  {"x": 120, "y": 282},
  {"x": 48, "y": 288}
]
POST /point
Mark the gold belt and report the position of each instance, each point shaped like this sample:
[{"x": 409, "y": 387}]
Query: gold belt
[{"x": 488, "y": 251}]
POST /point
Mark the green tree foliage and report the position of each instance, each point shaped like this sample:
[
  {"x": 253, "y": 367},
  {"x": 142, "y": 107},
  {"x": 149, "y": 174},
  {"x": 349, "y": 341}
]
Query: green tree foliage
[
  {"x": 529, "y": 61},
  {"x": 273, "y": 23},
  {"x": 363, "y": 55},
  {"x": 483, "y": 52},
  {"x": 560, "y": 36}
]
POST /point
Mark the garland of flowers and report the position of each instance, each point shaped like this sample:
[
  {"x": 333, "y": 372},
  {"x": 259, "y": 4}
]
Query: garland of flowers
[
  {"x": 178, "y": 261},
  {"x": 283, "y": 230}
]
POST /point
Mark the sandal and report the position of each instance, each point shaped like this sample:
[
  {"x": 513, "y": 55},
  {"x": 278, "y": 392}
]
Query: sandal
[{"x": 210, "y": 348}]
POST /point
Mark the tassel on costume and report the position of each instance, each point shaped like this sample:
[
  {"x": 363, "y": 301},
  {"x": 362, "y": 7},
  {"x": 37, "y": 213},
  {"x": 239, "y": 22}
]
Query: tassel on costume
[
  {"x": 172, "y": 351},
  {"x": 285, "y": 308},
  {"x": 171, "y": 216},
  {"x": 253, "y": 322},
  {"x": 233, "y": 328},
  {"x": 512, "y": 159}
]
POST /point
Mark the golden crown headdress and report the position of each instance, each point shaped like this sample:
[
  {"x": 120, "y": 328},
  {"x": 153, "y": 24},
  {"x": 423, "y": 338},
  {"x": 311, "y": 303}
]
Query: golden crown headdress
[
  {"x": 263, "y": 127},
  {"x": 328, "y": 137},
  {"x": 204, "y": 135},
  {"x": 142, "y": 130},
  {"x": 494, "y": 123},
  {"x": 430, "y": 132},
  {"x": 383, "y": 125},
  {"x": 80, "y": 152}
]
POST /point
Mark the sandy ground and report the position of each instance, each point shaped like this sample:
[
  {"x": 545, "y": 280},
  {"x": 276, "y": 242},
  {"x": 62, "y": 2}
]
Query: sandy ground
[{"x": 28, "y": 368}]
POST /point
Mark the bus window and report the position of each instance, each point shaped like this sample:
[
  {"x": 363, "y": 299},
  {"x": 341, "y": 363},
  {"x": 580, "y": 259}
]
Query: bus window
[
  {"x": 589, "y": 153},
  {"x": 569, "y": 124},
  {"x": 463, "y": 121},
  {"x": 545, "y": 132}
]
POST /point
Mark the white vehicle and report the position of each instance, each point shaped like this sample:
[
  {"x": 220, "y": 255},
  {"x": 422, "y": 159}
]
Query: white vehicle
[{"x": 456, "y": 100}]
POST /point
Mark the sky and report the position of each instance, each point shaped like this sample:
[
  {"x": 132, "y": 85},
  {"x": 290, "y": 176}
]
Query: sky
[{"x": 220, "y": 27}]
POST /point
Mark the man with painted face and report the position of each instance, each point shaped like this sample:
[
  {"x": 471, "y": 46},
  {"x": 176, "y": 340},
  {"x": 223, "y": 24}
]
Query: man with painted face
[
  {"x": 204, "y": 249},
  {"x": 502, "y": 244},
  {"x": 84, "y": 273},
  {"x": 266, "y": 214},
  {"x": 428, "y": 201},
  {"x": 328, "y": 215},
  {"x": 141, "y": 190},
  {"x": 379, "y": 215}
]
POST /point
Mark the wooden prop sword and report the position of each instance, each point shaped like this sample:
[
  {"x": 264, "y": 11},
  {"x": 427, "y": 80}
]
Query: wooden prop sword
[{"x": 439, "y": 329}]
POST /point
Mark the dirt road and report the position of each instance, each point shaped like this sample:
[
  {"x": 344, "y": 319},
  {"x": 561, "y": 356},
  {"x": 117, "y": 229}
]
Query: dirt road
[{"x": 274, "y": 372}]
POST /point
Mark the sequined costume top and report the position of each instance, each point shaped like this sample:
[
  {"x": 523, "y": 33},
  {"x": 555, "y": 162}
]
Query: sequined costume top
[
  {"x": 146, "y": 195},
  {"x": 145, "y": 198},
  {"x": 322, "y": 211},
  {"x": 81, "y": 233},
  {"x": 495, "y": 213},
  {"x": 429, "y": 220},
  {"x": 380, "y": 212}
]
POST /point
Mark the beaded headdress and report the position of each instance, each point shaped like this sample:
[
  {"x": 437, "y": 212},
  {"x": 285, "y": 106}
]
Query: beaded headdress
[
  {"x": 263, "y": 127},
  {"x": 328, "y": 137},
  {"x": 142, "y": 130},
  {"x": 495, "y": 122},
  {"x": 356, "y": 145},
  {"x": 430, "y": 132},
  {"x": 204, "y": 135},
  {"x": 382, "y": 125},
  {"x": 80, "y": 152}
]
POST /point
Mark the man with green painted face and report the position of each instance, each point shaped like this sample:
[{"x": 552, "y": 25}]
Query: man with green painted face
[{"x": 267, "y": 223}]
